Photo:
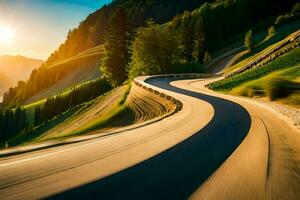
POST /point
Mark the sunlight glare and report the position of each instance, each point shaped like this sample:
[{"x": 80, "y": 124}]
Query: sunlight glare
[{"x": 6, "y": 34}]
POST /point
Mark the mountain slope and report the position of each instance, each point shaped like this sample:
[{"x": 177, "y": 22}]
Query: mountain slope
[
  {"x": 18, "y": 67},
  {"x": 88, "y": 38},
  {"x": 90, "y": 32},
  {"x": 5, "y": 82}
]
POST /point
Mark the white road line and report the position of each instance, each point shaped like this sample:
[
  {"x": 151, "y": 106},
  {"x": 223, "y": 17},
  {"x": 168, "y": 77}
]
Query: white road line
[{"x": 47, "y": 155}]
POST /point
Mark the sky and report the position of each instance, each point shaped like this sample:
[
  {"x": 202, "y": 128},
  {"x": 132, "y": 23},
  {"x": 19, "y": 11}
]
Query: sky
[{"x": 35, "y": 28}]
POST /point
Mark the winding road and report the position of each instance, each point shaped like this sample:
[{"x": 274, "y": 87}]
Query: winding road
[{"x": 216, "y": 147}]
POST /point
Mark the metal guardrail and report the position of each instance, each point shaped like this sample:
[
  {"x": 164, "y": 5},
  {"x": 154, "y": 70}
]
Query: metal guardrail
[{"x": 152, "y": 89}]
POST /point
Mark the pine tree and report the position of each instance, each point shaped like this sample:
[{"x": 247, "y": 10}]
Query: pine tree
[
  {"x": 200, "y": 37},
  {"x": 187, "y": 35},
  {"x": 207, "y": 58},
  {"x": 37, "y": 116},
  {"x": 17, "y": 120},
  {"x": 116, "y": 57}
]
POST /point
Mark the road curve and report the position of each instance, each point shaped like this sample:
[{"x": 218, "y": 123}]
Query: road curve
[
  {"x": 170, "y": 159},
  {"x": 266, "y": 165}
]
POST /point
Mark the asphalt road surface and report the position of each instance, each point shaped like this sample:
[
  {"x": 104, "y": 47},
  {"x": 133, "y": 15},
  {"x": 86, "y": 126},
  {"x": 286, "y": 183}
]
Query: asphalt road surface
[
  {"x": 177, "y": 172},
  {"x": 217, "y": 147}
]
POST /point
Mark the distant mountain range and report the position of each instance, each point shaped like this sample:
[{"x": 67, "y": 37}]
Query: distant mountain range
[{"x": 15, "y": 68}]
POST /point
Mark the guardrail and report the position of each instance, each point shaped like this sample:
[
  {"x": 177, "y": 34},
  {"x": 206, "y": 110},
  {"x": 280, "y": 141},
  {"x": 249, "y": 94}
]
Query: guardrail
[{"x": 140, "y": 82}]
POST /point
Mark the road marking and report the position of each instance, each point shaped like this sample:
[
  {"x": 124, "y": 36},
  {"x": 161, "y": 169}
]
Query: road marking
[{"x": 47, "y": 155}]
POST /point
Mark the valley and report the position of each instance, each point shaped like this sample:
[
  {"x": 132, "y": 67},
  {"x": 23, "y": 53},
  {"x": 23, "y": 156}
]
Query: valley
[{"x": 159, "y": 100}]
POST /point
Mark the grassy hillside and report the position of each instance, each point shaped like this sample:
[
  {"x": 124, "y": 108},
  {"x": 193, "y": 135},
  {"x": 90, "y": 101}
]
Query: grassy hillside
[
  {"x": 201, "y": 33},
  {"x": 54, "y": 128},
  {"x": 122, "y": 106},
  {"x": 288, "y": 60},
  {"x": 263, "y": 44},
  {"x": 53, "y": 79},
  {"x": 30, "y": 107},
  {"x": 97, "y": 51},
  {"x": 282, "y": 85},
  {"x": 82, "y": 75},
  {"x": 278, "y": 79}
]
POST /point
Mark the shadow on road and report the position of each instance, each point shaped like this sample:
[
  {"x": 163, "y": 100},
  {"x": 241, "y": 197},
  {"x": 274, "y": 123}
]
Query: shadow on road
[{"x": 180, "y": 170}]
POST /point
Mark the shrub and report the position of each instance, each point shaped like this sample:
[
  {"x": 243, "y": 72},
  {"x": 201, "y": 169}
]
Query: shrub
[
  {"x": 250, "y": 89},
  {"x": 271, "y": 31},
  {"x": 279, "y": 87},
  {"x": 207, "y": 58},
  {"x": 249, "y": 41},
  {"x": 293, "y": 99}
]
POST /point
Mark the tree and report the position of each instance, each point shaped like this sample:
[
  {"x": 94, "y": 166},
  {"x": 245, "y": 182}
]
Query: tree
[
  {"x": 154, "y": 50},
  {"x": 12, "y": 122},
  {"x": 187, "y": 36},
  {"x": 1, "y": 124},
  {"x": 207, "y": 58},
  {"x": 37, "y": 116},
  {"x": 199, "y": 39},
  {"x": 116, "y": 54},
  {"x": 249, "y": 41},
  {"x": 271, "y": 31},
  {"x": 296, "y": 9}
]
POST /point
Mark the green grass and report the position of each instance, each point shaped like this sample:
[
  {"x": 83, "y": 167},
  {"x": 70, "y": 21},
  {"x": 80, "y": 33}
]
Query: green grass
[
  {"x": 117, "y": 111},
  {"x": 30, "y": 107},
  {"x": 261, "y": 86},
  {"x": 289, "y": 60},
  {"x": 24, "y": 138},
  {"x": 283, "y": 86},
  {"x": 95, "y": 51},
  {"x": 281, "y": 33},
  {"x": 291, "y": 73},
  {"x": 263, "y": 44}
]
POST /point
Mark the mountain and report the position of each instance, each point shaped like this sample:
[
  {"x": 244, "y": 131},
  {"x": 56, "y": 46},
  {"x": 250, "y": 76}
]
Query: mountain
[
  {"x": 5, "y": 83},
  {"x": 220, "y": 19},
  {"x": 18, "y": 67},
  {"x": 88, "y": 38},
  {"x": 90, "y": 32}
]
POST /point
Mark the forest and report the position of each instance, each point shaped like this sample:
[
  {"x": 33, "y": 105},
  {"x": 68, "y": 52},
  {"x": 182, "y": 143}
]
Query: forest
[
  {"x": 13, "y": 121},
  {"x": 90, "y": 33},
  {"x": 59, "y": 104},
  {"x": 140, "y": 38}
]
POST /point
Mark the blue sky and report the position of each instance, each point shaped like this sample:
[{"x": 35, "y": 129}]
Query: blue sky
[{"x": 41, "y": 25}]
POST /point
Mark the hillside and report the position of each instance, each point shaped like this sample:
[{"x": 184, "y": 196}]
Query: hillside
[
  {"x": 18, "y": 67},
  {"x": 200, "y": 102},
  {"x": 205, "y": 38},
  {"x": 272, "y": 73},
  {"x": 90, "y": 32},
  {"x": 85, "y": 67},
  {"x": 5, "y": 83},
  {"x": 183, "y": 43},
  {"x": 88, "y": 37}
]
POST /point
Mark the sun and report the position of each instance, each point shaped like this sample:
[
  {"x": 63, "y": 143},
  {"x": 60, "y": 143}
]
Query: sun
[{"x": 6, "y": 34}]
